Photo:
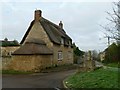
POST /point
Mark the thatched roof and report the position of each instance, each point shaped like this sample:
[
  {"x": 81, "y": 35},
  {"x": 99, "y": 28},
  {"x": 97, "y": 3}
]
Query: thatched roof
[
  {"x": 54, "y": 32},
  {"x": 33, "y": 48},
  {"x": 35, "y": 41}
]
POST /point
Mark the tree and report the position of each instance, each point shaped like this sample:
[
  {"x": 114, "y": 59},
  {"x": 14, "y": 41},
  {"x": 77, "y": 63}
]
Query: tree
[
  {"x": 6, "y": 43},
  {"x": 16, "y": 42},
  {"x": 77, "y": 53},
  {"x": 5, "y": 39},
  {"x": 112, "y": 53},
  {"x": 119, "y": 52},
  {"x": 113, "y": 29}
]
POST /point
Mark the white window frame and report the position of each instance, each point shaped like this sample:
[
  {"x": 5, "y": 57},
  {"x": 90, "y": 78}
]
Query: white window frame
[{"x": 60, "y": 55}]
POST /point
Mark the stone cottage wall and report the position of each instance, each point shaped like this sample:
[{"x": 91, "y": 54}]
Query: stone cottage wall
[
  {"x": 30, "y": 62},
  {"x": 5, "y": 62},
  {"x": 67, "y": 53},
  {"x": 38, "y": 32}
]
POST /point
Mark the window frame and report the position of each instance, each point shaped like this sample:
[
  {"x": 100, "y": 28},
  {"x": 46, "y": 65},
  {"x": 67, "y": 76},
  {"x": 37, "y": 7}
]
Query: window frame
[
  {"x": 62, "y": 41},
  {"x": 60, "y": 55},
  {"x": 70, "y": 43}
]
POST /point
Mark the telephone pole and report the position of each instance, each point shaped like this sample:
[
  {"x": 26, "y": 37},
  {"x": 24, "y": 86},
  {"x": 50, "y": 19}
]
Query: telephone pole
[{"x": 108, "y": 41}]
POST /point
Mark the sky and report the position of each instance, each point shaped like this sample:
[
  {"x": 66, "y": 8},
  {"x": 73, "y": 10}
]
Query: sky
[{"x": 81, "y": 20}]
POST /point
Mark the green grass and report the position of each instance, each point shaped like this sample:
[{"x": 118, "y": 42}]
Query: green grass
[
  {"x": 100, "y": 78},
  {"x": 60, "y": 68},
  {"x": 14, "y": 72},
  {"x": 113, "y": 65}
]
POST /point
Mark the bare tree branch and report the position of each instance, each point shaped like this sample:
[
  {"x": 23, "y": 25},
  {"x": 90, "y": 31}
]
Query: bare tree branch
[{"x": 113, "y": 29}]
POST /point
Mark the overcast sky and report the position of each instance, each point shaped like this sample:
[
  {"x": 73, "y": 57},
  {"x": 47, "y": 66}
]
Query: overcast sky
[{"x": 81, "y": 20}]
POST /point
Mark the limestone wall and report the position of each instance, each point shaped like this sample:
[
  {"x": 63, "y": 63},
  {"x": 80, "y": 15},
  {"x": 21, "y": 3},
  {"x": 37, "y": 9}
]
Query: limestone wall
[
  {"x": 5, "y": 62},
  {"x": 89, "y": 63},
  {"x": 38, "y": 32},
  {"x": 7, "y": 51},
  {"x": 67, "y": 53},
  {"x": 6, "y": 56},
  {"x": 38, "y": 62},
  {"x": 30, "y": 62}
]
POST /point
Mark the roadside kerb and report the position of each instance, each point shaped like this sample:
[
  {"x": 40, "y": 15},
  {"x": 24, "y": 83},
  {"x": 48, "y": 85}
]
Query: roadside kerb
[{"x": 64, "y": 85}]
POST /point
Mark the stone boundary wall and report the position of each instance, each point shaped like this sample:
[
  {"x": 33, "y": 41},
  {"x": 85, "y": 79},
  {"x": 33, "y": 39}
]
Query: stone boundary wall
[
  {"x": 6, "y": 56},
  {"x": 88, "y": 63},
  {"x": 34, "y": 63},
  {"x": 5, "y": 61}
]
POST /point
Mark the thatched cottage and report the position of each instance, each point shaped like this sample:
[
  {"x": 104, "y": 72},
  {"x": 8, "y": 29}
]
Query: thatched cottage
[{"x": 45, "y": 44}]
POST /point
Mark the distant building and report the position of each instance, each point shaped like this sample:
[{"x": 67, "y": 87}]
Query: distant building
[
  {"x": 102, "y": 56},
  {"x": 45, "y": 44},
  {"x": 8, "y": 47}
]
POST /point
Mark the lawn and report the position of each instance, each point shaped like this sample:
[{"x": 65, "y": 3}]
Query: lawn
[{"x": 100, "y": 78}]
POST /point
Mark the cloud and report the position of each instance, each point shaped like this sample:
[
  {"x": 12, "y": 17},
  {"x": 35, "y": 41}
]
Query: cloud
[{"x": 81, "y": 20}]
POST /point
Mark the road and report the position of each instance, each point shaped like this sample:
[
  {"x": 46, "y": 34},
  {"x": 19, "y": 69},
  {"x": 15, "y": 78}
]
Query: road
[
  {"x": 98, "y": 64},
  {"x": 38, "y": 80}
]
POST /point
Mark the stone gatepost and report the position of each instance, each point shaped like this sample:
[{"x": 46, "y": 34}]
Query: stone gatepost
[{"x": 89, "y": 63}]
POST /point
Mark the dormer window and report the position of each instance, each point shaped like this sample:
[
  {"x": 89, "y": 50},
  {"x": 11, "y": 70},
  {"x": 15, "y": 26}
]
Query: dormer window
[
  {"x": 70, "y": 43},
  {"x": 62, "y": 41}
]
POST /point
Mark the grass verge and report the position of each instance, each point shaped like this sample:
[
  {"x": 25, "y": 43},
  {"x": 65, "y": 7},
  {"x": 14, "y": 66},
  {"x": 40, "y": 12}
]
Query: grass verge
[
  {"x": 14, "y": 72},
  {"x": 100, "y": 78},
  {"x": 113, "y": 65},
  {"x": 60, "y": 68}
]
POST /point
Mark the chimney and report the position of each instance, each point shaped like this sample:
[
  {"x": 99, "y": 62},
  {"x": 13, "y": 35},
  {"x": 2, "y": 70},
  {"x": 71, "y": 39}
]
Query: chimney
[
  {"x": 37, "y": 15},
  {"x": 61, "y": 25}
]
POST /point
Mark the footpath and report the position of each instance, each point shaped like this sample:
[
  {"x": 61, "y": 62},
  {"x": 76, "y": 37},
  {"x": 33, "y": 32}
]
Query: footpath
[{"x": 112, "y": 68}]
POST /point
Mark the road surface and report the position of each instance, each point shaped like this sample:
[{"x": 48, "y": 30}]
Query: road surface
[{"x": 38, "y": 80}]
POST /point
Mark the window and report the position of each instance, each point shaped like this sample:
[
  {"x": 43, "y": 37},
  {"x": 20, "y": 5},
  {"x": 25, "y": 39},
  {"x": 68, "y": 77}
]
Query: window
[
  {"x": 62, "y": 41},
  {"x": 70, "y": 43},
  {"x": 60, "y": 55}
]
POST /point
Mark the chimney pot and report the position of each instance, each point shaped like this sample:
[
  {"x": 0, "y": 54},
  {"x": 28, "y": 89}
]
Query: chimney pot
[
  {"x": 37, "y": 15},
  {"x": 61, "y": 25}
]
